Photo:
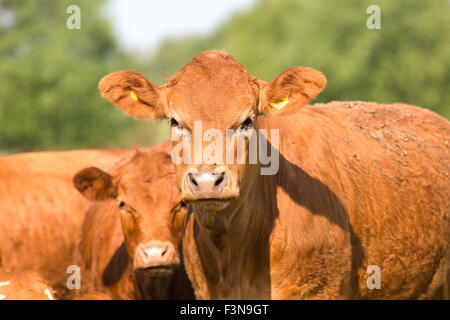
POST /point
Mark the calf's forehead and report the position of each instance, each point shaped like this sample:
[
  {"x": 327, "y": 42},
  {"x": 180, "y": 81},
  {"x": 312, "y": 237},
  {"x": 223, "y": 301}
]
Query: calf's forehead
[{"x": 147, "y": 177}]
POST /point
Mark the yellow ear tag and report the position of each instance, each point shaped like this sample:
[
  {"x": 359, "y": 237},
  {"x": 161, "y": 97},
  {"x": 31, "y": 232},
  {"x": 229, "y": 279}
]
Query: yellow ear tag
[
  {"x": 280, "y": 104},
  {"x": 133, "y": 96}
]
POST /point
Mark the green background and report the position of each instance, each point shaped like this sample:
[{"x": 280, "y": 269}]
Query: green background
[{"x": 49, "y": 74}]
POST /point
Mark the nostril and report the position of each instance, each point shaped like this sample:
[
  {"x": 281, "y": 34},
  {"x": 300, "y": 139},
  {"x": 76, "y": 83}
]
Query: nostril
[
  {"x": 220, "y": 179},
  {"x": 164, "y": 251},
  {"x": 192, "y": 179}
]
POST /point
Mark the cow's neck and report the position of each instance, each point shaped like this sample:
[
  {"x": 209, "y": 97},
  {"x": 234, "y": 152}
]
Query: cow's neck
[{"x": 236, "y": 261}]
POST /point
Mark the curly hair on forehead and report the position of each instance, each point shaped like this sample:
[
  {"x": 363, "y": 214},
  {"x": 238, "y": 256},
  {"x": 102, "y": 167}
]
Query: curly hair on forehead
[{"x": 211, "y": 63}]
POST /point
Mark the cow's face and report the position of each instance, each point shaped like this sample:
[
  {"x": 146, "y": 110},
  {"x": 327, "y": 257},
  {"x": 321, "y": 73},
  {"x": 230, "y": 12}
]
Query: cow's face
[
  {"x": 213, "y": 97},
  {"x": 150, "y": 207}
]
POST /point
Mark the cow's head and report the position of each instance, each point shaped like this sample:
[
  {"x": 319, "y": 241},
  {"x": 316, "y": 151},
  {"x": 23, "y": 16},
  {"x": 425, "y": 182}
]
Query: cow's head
[
  {"x": 216, "y": 92},
  {"x": 151, "y": 211}
]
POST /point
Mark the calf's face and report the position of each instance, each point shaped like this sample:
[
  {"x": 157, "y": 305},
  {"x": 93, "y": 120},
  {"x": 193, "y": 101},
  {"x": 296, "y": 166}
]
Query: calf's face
[
  {"x": 150, "y": 207},
  {"x": 213, "y": 102}
]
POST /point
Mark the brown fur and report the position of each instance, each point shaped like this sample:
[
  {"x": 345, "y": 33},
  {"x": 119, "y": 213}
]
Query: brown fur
[
  {"x": 345, "y": 198},
  {"x": 92, "y": 296},
  {"x": 109, "y": 237},
  {"x": 359, "y": 184},
  {"x": 41, "y": 212},
  {"x": 27, "y": 285}
]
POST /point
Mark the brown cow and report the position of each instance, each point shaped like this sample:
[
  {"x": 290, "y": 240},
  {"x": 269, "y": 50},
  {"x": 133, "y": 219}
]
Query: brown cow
[
  {"x": 361, "y": 188},
  {"x": 40, "y": 211},
  {"x": 130, "y": 243},
  {"x": 27, "y": 285}
]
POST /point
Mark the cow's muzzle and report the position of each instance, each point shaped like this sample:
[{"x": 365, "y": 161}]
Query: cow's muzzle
[
  {"x": 208, "y": 184},
  {"x": 156, "y": 258}
]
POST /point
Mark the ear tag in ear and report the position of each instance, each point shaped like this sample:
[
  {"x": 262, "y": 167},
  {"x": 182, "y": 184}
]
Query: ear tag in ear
[
  {"x": 133, "y": 96},
  {"x": 280, "y": 104}
]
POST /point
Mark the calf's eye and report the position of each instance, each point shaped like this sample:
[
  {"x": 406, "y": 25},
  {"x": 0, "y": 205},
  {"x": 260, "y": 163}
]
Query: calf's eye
[{"x": 122, "y": 204}]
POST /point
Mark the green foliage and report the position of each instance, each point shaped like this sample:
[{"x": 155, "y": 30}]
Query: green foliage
[
  {"x": 408, "y": 60},
  {"x": 49, "y": 75}
]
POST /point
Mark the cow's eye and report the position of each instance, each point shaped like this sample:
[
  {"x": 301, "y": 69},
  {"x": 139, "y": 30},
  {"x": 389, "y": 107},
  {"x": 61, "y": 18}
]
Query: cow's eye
[
  {"x": 174, "y": 123},
  {"x": 246, "y": 125},
  {"x": 122, "y": 205}
]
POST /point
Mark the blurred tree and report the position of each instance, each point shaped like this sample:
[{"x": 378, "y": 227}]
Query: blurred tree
[
  {"x": 407, "y": 60},
  {"x": 49, "y": 75}
]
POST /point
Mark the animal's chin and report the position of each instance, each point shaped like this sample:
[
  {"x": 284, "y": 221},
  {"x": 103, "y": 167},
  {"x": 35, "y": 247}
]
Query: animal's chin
[
  {"x": 213, "y": 204},
  {"x": 157, "y": 271}
]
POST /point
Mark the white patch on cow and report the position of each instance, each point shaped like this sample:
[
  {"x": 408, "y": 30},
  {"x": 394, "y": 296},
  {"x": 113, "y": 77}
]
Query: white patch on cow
[
  {"x": 4, "y": 283},
  {"x": 2, "y": 297},
  {"x": 49, "y": 294}
]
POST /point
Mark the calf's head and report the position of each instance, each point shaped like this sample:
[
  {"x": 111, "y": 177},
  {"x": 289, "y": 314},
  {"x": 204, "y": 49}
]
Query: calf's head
[
  {"x": 213, "y": 103},
  {"x": 150, "y": 207}
]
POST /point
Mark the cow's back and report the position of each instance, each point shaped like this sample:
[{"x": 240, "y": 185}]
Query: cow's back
[
  {"x": 388, "y": 165},
  {"x": 41, "y": 212}
]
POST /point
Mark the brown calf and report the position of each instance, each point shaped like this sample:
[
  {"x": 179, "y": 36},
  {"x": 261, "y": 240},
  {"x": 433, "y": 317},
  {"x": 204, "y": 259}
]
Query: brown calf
[
  {"x": 360, "y": 187},
  {"x": 40, "y": 211},
  {"x": 130, "y": 243}
]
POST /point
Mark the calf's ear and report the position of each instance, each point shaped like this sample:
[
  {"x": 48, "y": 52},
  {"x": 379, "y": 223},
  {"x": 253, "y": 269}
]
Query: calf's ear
[
  {"x": 292, "y": 89},
  {"x": 95, "y": 184},
  {"x": 133, "y": 94}
]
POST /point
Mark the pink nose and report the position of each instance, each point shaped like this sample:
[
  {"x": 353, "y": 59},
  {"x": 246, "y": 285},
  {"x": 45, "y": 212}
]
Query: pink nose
[
  {"x": 155, "y": 254},
  {"x": 207, "y": 183}
]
